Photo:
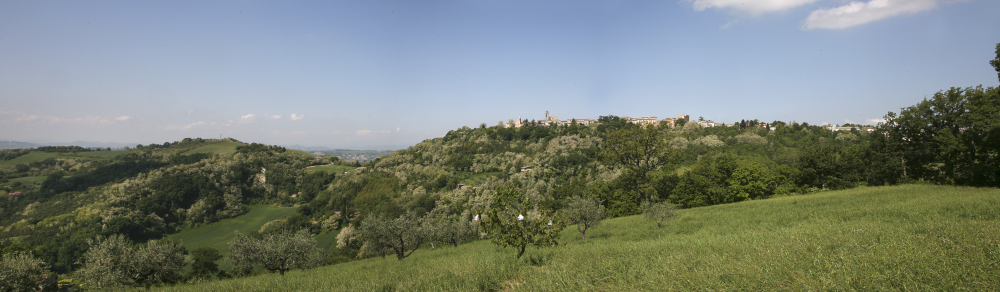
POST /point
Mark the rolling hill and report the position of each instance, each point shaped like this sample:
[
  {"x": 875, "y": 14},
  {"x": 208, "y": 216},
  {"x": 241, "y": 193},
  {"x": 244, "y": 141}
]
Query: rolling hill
[{"x": 910, "y": 237}]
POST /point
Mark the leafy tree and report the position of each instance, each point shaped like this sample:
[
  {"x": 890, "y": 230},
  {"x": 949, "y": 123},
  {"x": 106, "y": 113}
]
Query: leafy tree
[
  {"x": 506, "y": 225},
  {"x": 280, "y": 251},
  {"x": 114, "y": 262},
  {"x": 639, "y": 150},
  {"x": 584, "y": 212},
  {"x": 658, "y": 212},
  {"x": 452, "y": 229},
  {"x": 950, "y": 138},
  {"x": 750, "y": 180},
  {"x": 203, "y": 262},
  {"x": 402, "y": 235},
  {"x": 996, "y": 62},
  {"x": 19, "y": 271}
]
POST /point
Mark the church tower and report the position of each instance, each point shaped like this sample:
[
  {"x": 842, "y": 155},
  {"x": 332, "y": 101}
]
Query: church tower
[{"x": 546, "y": 115}]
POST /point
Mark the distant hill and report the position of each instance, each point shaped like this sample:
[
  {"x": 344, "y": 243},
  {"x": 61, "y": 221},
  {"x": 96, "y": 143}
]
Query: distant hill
[{"x": 17, "y": 145}]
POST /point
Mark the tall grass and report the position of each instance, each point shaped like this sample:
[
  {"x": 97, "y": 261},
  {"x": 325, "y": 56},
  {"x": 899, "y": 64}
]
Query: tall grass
[{"x": 880, "y": 238}]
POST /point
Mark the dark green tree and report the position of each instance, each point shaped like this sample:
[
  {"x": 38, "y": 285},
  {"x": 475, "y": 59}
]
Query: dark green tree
[
  {"x": 996, "y": 61},
  {"x": 639, "y": 151},
  {"x": 203, "y": 262}
]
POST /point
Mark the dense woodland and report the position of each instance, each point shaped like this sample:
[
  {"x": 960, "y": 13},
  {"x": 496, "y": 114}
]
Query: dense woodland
[{"x": 143, "y": 194}]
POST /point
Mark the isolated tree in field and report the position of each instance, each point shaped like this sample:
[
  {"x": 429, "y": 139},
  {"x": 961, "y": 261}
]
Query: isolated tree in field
[
  {"x": 114, "y": 262},
  {"x": 19, "y": 271},
  {"x": 584, "y": 212},
  {"x": 279, "y": 251},
  {"x": 658, "y": 212},
  {"x": 639, "y": 150},
  {"x": 506, "y": 225},
  {"x": 402, "y": 235}
]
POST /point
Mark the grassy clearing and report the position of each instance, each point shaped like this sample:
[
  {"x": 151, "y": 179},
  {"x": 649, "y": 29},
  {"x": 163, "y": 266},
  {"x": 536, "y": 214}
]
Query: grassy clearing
[
  {"x": 216, "y": 148},
  {"x": 29, "y": 158},
  {"x": 479, "y": 178},
  {"x": 879, "y": 238},
  {"x": 330, "y": 167},
  {"x": 219, "y": 234},
  {"x": 34, "y": 180},
  {"x": 101, "y": 154}
]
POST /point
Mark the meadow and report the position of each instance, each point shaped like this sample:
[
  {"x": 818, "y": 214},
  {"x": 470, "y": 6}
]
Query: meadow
[
  {"x": 215, "y": 148},
  {"x": 330, "y": 167},
  {"x": 910, "y": 237},
  {"x": 219, "y": 234}
]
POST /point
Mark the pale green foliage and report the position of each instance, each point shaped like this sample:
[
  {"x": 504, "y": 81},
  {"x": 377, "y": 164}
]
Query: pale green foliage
[
  {"x": 402, "y": 235},
  {"x": 114, "y": 262},
  {"x": 679, "y": 142},
  {"x": 584, "y": 212},
  {"x": 451, "y": 229},
  {"x": 710, "y": 141},
  {"x": 658, "y": 212},
  {"x": 845, "y": 136},
  {"x": 21, "y": 272},
  {"x": 505, "y": 223},
  {"x": 280, "y": 251},
  {"x": 750, "y": 138}
]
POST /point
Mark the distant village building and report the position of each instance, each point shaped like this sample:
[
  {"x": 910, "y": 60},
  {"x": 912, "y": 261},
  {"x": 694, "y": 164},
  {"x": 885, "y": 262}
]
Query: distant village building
[
  {"x": 14, "y": 194},
  {"x": 526, "y": 168}
]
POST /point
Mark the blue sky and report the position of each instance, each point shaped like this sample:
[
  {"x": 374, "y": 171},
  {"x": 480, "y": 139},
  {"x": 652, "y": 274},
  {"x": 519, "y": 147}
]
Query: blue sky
[{"x": 387, "y": 74}]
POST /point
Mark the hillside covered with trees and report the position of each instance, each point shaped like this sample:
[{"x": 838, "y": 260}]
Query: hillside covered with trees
[{"x": 67, "y": 205}]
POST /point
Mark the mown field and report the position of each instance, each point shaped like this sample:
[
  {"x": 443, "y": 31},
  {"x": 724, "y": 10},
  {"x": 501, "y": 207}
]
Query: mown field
[
  {"x": 29, "y": 158},
  {"x": 219, "y": 234},
  {"x": 216, "y": 148},
  {"x": 330, "y": 167},
  {"x": 912, "y": 237}
]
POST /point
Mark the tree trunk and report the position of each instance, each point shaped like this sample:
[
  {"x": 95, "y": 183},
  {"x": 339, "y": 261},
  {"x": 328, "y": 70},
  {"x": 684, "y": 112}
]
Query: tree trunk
[
  {"x": 583, "y": 232},
  {"x": 520, "y": 250}
]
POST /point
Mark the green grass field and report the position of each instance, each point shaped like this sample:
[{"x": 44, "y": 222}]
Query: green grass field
[
  {"x": 35, "y": 180},
  {"x": 330, "y": 167},
  {"x": 29, "y": 158},
  {"x": 912, "y": 237},
  {"x": 479, "y": 178},
  {"x": 101, "y": 154},
  {"x": 219, "y": 234},
  {"x": 216, "y": 148}
]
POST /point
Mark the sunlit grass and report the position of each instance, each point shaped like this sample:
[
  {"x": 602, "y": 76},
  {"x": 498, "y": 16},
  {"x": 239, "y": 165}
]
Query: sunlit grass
[
  {"x": 216, "y": 148},
  {"x": 219, "y": 234},
  {"x": 331, "y": 167},
  {"x": 879, "y": 238}
]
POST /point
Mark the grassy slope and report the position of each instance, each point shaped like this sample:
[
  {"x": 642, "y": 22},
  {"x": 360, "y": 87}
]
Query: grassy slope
[
  {"x": 880, "y": 238},
  {"x": 330, "y": 167},
  {"x": 216, "y": 148},
  {"x": 29, "y": 158},
  {"x": 30, "y": 179},
  {"x": 219, "y": 234}
]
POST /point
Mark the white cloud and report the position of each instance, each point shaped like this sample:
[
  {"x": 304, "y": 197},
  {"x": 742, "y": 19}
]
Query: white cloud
[
  {"x": 875, "y": 121},
  {"x": 123, "y": 118},
  {"x": 753, "y": 7},
  {"x": 186, "y": 127},
  {"x": 857, "y": 13},
  {"x": 249, "y": 118},
  {"x": 297, "y": 117},
  {"x": 369, "y": 132},
  {"x": 272, "y": 117},
  {"x": 397, "y": 130}
]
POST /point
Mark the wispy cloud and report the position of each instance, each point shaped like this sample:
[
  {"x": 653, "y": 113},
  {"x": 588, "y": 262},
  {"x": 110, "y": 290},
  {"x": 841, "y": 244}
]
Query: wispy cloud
[
  {"x": 875, "y": 121},
  {"x": 752, "y": 7},
  {"x": 857, "y": 13},
  {"x": 249, "y": 118},
  {"x": 123, "y": 118},
  {"x": 297, "y": 117},
  {"x": 272, "y": 117},
  {"x": 369, "y": 132},
  {"x": 185, "y": 127}
]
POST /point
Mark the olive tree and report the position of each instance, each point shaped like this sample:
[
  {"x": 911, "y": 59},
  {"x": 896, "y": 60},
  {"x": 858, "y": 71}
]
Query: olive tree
[
  {"x": 658, "y": 212},
  {"x": 402, "y": 235},
  {"x": 505, "y": 224},
  {"x": 584, "y": 212},
  {"x": 114, "y": 262},
  {"x": 452, "y": 229},
  {"x": 280, "y": 251},
  {"x": 20, "y": 271}
]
